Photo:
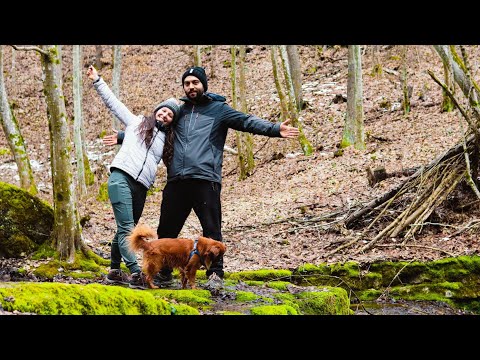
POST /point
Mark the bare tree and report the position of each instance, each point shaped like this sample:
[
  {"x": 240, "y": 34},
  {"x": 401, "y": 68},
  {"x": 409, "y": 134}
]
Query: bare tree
[
  {"x": 67, "y": 233},
  {"x": 278, "y": 86},
  {"x": 296, "y": 71},
  {"x": 406, "y": 89},
  {"x": 98, "y": 57},
  {"x": 353, "y": 131},
  {"x": 12, "y": 71},
  {"x": 197, "y": 55},
  {"x": 14, "y": 137},
  {"x": 213, "y": 60},
  {"x": 244, "y": 140},
  {"x": 84, "y": 173},
  {"x": 117, "y": 70},
  {"x": 292, "y": 103},
  {"x": 447, "y": 102}
]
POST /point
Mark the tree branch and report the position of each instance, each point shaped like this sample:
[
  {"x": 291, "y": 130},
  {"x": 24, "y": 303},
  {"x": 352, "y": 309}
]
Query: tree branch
[{"x": 28, "y": 48}]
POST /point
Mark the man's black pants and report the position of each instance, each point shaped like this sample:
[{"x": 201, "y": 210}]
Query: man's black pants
[{"x": 179, "y": 198}]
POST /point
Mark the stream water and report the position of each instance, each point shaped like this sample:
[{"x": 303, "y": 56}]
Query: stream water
[{"x": 403, "y": 307}]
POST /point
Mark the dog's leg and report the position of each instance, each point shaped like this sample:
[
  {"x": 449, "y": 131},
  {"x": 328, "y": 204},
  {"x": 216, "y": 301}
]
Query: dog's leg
[
  {"x": 191, "y": 272},
  {"x": 183, "y": 278},
  {"x": 149, "y": 279}
]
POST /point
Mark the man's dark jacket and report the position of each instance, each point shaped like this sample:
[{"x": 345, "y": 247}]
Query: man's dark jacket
[{"x": 200, "y": 135}]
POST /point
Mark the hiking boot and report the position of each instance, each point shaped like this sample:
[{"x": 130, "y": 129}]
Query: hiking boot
[
  {"x": 163, "y": 280},
  {"x": 214, "y": 282},
  {"x": 117, "y": 276},
  {"x": 138, "y": 281}
]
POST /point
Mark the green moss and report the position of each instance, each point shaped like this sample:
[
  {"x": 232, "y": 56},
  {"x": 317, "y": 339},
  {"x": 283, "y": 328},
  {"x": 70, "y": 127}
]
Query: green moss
[
  {"x": 88, "y": 265},
  {"x": 273, "y": 310},
  {"x": 153, "y": 190},
  {"x": 89, "y": 175},
  {"x": 261, "y": 275},
  {"x": 102, "y": 134},
  {"x": 72, "y": 299},
  {"x": 330, "y": 301},
  {"x": 182, "y": 309},
  {"x": 279, "y": 285},
  {"x": 376, "y": 70},
  {"x": 103, "y": 192},
  {"x": 254, "y": 282},
  {"x": 4, "y": 151},
  {"x": 245, "y": 296},
  {"x": 27, "y": 221},
  {"x": 45, "y": 251},
  {"x": 191, "y": 297}
]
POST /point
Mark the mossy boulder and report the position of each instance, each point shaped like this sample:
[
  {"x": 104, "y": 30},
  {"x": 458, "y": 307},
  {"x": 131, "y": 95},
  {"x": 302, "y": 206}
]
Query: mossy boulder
[
  {"x": 26, "y": 221},
  {"x": 92, "y": 299}
]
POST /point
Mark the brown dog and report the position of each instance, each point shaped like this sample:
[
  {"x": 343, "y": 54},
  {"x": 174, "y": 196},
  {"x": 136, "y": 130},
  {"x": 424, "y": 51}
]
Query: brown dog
[{"x": 184, "y": 254}]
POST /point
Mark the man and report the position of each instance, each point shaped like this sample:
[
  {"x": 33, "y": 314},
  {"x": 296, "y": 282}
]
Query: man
[{"x": 194, "y": 176}]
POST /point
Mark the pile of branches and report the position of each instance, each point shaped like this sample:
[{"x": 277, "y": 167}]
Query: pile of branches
[{"x": 403, "y": 211}]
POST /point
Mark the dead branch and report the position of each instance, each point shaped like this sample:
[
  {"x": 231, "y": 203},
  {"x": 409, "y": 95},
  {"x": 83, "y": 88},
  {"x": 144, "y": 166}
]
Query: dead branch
[
  {"x": 470, "y": 225},
  {"x": 379, "y": 174},
  {"x": 29, "y": 48}
]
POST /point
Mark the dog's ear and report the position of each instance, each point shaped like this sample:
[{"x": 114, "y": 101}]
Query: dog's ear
[{"x": 215, "y": 250}]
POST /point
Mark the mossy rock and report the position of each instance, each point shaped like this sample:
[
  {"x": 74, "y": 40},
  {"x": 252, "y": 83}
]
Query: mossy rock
[
  {"x": 92, "y": 299},
  {"x": 26, "y": 221}
]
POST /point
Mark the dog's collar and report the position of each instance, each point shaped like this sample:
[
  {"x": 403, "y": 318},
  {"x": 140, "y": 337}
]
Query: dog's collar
[{"x": 195, "y": 251}]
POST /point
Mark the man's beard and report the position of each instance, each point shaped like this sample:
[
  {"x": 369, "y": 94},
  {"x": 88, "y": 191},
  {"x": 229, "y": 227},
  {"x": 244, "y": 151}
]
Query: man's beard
[{"x": 195, "y": 95}]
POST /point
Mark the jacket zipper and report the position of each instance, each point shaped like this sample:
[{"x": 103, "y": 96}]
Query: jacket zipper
[{"x": 187, "y": 139}]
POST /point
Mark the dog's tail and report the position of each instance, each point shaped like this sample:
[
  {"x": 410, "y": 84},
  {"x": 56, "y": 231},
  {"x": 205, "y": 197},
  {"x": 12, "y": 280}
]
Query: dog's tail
[{"x": 138, "y": 238}]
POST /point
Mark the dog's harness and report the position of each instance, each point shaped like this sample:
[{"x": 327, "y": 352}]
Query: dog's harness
[{"x": 196, "y": 252}]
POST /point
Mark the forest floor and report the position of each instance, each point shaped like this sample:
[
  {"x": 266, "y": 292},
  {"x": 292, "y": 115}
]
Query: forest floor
[{"x": 271, "y": 219}]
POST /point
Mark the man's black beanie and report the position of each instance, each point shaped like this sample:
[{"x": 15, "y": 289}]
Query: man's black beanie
[{"x": 198, "y": 72}]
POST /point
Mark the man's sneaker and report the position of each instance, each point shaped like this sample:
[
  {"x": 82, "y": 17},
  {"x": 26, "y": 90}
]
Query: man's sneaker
[
  {"x": 117, "y": 276},
  {"x": 138, "y": 281},
  {"x": 214, "y": 282},
  {"x": 163, "y": 280}
]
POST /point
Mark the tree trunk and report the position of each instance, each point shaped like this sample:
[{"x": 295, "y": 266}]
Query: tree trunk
[
  {"x": 240, "y": 150},
  {"x": 406, "y": 90},
  {"x": 67, "y": 236},
  {"x": 197, "y": 55},
  {"x": 83, "y": 166},
  {"x": 14, "y": 137},
  {"x": 247, "y": 138},
  {"x": 377, "y": 68},
  {"x": 353, "y": 131},
  {"x": 213, "y": 60},
  {"x": 461, "y": 78},
  {"x": 98, "y": 57},
  {"x": 117, "y": 70},
  {"x": 12, "y": 72},
  {"x": 296, "y": 71},
  {"x": 292, "y": 103},
  {"x": 278, "y": 86},
  {"x": 447, "y": 102}
]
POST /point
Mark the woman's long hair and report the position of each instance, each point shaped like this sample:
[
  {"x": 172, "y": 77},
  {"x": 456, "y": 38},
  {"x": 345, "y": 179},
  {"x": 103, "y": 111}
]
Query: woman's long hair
[
  {"x": 145, "y": 129},
  {"x": 168, "y": 147}
]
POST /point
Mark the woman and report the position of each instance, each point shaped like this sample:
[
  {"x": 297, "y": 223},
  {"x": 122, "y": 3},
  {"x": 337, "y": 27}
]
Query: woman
[{"x": 132, "y": 172}]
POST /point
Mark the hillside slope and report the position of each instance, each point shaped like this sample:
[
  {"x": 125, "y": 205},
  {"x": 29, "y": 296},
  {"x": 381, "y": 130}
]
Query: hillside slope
[{"x": 264, "y": 216}]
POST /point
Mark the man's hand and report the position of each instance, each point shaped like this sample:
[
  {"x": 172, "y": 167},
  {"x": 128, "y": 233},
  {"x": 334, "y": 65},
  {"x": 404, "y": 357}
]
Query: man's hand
[
  {"x": 289, "y": 132},
  {"x": 110, "y": 140}
]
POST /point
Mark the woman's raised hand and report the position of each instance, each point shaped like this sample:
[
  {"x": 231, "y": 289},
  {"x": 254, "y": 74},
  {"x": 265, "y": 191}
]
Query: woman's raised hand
[{"x": 92, "y": 73}]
